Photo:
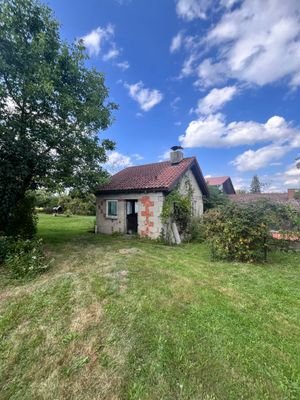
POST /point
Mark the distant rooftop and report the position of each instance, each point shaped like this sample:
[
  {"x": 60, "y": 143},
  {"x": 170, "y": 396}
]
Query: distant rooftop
[{"x": 217, "y": 180}]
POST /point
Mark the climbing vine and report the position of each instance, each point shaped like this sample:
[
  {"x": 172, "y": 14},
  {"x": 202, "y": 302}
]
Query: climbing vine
[{"x": 177, "y": 208}]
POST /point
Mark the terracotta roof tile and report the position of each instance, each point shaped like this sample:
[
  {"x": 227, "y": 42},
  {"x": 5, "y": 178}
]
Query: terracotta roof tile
[{"x": 157, "y": 176}]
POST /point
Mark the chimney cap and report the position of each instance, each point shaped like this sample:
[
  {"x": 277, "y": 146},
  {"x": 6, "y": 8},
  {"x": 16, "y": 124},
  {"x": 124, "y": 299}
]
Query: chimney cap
[{"x": 174, "y": 148}]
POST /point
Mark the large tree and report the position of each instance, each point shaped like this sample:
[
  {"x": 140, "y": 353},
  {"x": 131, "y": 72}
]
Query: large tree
[{"x": 52, "y": 108}]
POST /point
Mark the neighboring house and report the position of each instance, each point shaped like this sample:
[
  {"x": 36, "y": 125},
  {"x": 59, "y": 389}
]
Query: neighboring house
[
  {"x": 288, "y": 197},
  {"x": 223, "y": 183},
  {"x": 133, "y": 199}
]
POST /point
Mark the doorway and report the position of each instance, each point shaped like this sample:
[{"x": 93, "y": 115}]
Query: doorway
[{"x": 132, "y": 216}]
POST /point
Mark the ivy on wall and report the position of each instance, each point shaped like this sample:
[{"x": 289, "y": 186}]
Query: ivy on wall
[{"x": 177, "y": 208}]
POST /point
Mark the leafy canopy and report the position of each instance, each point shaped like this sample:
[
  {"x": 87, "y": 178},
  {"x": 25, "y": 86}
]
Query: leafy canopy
[
  {"x": 51, "y": 108},
  {"x": 216, "y": 198}
]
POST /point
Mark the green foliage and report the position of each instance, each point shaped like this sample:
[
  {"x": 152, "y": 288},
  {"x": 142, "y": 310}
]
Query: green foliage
[
  {"x": 4, "y": 248},
  {"x": 241, "y": 232},
  {"x": 297, "y": 194},
  {"x": 75, "y": 203},
  {"x": 23, "y": 219},
  {"x": 45, "y": 199},
  {"x": 216, "y": 198},
  {"x": 196, "y": 230},
  {"x": 177, "y": 208},
  {"x": 25, "y": 258},
  {"x": 255, "y": 186},
  {"x": 51, "y": 109},
  {"x": 85, "y": 205}
]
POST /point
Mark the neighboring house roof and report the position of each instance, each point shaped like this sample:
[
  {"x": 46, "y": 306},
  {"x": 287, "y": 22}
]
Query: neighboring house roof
[
  {"x": 162, "y": 176},
  {"x": 225, "y": 181},
  {"x": 274, "y": 197},
  {"x": 217, "y": 181}
]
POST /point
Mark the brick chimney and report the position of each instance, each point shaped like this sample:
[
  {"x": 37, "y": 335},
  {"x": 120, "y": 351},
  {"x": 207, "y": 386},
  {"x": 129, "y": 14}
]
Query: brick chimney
[{"x": 291, "y": 193}]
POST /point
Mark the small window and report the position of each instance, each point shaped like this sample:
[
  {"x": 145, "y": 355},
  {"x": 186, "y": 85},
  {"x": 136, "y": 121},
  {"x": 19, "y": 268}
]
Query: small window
[{"x": 111, "y": 208}]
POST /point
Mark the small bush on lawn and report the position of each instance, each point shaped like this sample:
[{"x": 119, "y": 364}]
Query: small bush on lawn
[
  {"x": 25, "y": 258},
  {"x": 241, "y": 232}
]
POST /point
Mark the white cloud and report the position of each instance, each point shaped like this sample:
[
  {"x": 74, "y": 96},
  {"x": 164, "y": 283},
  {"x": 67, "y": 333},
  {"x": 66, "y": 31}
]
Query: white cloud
[
  {"x": 123, "y": 65},
  {"x": 112, "y": 53},
  {"x": 117, "y": 161},
  {"x": 259, "y": 41},
  {"x": 216, "y": 99},
  {"x": 94, "y": 40},
  {"x": 252, "y": 160},
  {"x": 176, "y": 42},
  {"x": 192, "y": 9},
  {"x": 165, "y": 156},
  {"x": 146, "y": 98},
  {"x": 137, "y": 156},
  {"x": 174, "y": 103},
  {"x": 209, "y": 73},
  {"x": 212, "y": 131}
]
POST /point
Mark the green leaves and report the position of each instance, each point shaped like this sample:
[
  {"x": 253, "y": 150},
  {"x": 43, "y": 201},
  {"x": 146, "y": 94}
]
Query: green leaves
[
  {"x": 51, "y": 108},
  {"x": 241, "y": 232}
]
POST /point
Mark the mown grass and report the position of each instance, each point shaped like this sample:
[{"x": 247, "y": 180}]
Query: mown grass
[{"x": 122, "y": 318}]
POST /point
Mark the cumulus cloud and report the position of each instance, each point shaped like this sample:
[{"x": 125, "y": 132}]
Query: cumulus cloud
[
  {"x": 94, "y": 40},
  {"x": 216, "y": 99},
  {"x": 254, "y": 42},
  {"x": 192, "y": 9},
  {"x": 117, "y": 161},
  {"x": 146, "y": 98},
  {"x": 252, "y": 160},
  {"x": 209, "y": 73},
  {"x": 176, "y": 42},
  {"x": 259, "y": 41},
  {"x": 212, "y": 131}
]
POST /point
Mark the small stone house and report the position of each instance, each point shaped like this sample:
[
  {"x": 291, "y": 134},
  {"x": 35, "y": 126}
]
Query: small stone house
[{"x": 133, "y": 199}]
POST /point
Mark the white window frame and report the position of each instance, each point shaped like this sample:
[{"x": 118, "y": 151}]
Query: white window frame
[{"x": 111, "y": 216}]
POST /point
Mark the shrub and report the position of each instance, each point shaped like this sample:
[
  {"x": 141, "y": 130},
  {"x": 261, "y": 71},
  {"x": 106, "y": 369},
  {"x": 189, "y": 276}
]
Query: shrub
[
  {"x": 25, "y": 258},
  {"x": 241, "y": 232},
  {"x": 215, "y": 199},
  {"x": 196, "y": 230}
]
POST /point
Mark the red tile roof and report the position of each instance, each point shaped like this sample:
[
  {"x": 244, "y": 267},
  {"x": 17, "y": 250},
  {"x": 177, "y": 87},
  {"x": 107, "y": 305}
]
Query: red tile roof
[
  {"x": 217, "y": 180},
  {"x": 162, "y": 176}
]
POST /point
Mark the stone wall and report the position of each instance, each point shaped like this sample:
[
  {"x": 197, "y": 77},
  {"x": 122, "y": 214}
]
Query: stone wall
[{"x": 149, "y": 210}]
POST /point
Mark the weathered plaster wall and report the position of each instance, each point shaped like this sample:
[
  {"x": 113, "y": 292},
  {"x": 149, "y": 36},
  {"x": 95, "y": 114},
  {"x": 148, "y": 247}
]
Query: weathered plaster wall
[
  {"x": 197, "y": 197},
  {"x": 149, "y": 210}
]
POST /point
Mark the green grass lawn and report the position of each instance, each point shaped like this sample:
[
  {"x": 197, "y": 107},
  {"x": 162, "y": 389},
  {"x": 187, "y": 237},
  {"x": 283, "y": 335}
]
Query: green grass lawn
[{"x": 123, "y": 318}]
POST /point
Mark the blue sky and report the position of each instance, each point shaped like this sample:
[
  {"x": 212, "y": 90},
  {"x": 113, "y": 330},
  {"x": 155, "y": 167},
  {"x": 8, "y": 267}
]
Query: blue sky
[{"x": 221, "y": 78}]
